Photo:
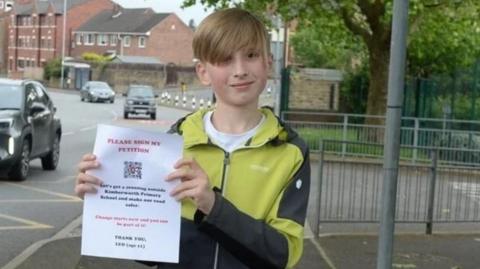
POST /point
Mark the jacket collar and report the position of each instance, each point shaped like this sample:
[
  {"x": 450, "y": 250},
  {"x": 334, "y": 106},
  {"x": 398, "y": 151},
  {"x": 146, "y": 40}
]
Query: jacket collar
[{"x": 192, "y": 129}]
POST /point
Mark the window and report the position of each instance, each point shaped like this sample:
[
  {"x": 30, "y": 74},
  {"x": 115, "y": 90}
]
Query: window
[
  {"x": 79, "y": 39},
  {"x": 1, "y": 4},
  {"x": 20, "y": 63},
  {"x": 141, "y": 42},
  {"x": 43, "y": 20},
  {"x": 126, "y": 41},
  {"x": 113, "y": 40},
  {"x": 90, "y": 39},
  {"x": 102, "y": 40}
]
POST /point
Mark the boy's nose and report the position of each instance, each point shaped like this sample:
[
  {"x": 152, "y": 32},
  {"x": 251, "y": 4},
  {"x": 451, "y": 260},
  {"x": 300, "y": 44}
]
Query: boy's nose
[{"x": 239, "y": 69}]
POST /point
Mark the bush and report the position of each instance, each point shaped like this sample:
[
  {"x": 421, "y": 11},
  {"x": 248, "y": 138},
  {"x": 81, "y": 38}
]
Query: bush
[
  {"x": 96, "y": 58},
  {"x": 53, "y": 69}
]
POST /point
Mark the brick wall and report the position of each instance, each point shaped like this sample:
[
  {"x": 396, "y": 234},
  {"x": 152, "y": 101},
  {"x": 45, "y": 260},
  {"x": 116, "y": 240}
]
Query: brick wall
[
  {"x": 80, "y": 14},
  {"x": 169, "y": 41},
  {"x": 76, "y": 16},
  {"x": 172, "y": 40},
  {"x": 307, "y": 93},
  {"x": 120, "y": 75}
]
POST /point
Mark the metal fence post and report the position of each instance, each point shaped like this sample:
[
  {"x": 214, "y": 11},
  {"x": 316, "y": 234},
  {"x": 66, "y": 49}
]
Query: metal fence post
[
  {"x": 415, "y": 139},
  {"x": 431, "y": 192},
  {"x": 344, "y": 136},
  {"x": 316, "y": 228}
]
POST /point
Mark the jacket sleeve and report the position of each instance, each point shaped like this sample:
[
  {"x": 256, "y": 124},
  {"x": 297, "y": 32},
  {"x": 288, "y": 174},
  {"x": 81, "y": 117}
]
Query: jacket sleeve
[{"x": 277, "y": 241}]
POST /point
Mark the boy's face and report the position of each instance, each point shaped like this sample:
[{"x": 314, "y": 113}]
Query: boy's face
[{"x": 239, "y": 80}]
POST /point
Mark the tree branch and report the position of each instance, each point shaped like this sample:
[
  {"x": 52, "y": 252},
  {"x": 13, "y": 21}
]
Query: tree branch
[{"x": 352, "y": 26}]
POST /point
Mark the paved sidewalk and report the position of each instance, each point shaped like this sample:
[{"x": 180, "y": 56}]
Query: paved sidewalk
[
  {"x": 64, "y": 253},
  {"x": 411, "y": 251}
]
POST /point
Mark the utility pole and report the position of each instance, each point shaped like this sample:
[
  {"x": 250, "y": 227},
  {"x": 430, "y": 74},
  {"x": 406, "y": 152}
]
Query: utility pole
[
  {"x": 278, "y": 63},
  {"x": 63, "y": 42},
  {"x": 396, "y": 81}
]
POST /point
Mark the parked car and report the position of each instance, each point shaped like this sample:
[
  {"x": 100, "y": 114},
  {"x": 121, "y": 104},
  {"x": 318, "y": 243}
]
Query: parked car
[
  {"x": 29, "y": 128},
  {"x": 140, "y": 100},
  {"x": 97, "y": 91}
]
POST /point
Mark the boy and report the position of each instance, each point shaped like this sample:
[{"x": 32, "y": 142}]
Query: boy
[{"x": 245, "y": 176}]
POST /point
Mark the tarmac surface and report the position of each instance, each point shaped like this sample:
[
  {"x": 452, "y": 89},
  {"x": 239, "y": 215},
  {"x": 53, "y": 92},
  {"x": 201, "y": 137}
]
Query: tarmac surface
[{"x": 443, "y": 251}]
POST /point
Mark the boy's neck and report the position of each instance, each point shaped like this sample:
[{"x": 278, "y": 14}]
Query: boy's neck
[{"x": 232, "y": 120}]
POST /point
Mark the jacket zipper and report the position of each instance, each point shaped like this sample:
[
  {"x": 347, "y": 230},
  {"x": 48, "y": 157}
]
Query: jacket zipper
[{"x": 226, "y": 163}]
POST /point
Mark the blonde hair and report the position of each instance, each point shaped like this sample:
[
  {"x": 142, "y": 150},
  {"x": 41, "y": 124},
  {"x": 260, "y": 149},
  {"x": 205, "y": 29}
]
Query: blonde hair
[{"x": 226, "y": 31}]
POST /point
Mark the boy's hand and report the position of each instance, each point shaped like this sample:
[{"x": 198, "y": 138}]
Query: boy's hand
[
  {"x": 194, "y": 184},
  {"x": 87, "y": 183}
]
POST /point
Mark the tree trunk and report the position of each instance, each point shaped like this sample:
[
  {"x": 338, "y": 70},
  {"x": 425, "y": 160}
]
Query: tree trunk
[{"x": 377, "y": 92}]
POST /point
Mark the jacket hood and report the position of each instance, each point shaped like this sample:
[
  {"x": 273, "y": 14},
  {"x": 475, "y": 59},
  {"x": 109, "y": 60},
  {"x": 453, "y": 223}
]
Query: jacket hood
[{"x": 272, "y": 130}]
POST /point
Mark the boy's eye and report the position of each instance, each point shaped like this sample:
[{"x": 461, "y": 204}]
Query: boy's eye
[
  {"x": 253, "y": 54},
  {"x": 225, "y": 61}
]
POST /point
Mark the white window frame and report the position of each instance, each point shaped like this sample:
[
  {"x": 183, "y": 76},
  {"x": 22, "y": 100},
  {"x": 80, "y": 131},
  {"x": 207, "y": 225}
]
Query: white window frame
[
  {"x": 113, "y": 40},
  {"x": 142, "y": 41},
  {"x": 102, "y": 40},
  {"x": 126, "y": 41},
  {"x": 78, "y": 39},
  {"x": 89, "y": 40}
]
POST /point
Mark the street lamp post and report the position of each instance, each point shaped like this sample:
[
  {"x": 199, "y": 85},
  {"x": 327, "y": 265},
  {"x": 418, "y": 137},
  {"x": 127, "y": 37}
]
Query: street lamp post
[{"x": 63, "y": 42}]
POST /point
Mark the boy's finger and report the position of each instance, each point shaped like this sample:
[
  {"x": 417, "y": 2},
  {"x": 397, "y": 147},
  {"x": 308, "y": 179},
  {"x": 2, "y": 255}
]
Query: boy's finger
[
  {"x": 183, "y": 173},
  {"x": 84, "y": 178},
  {"x": 81, "y": 189},
  {"x": 182, "y": 187},
  {"x": 183, "y": 161},
  {"x": 86, "y": 165},
  {"x": 186, "y": 194},
  {"x": 89, "y": 157}
]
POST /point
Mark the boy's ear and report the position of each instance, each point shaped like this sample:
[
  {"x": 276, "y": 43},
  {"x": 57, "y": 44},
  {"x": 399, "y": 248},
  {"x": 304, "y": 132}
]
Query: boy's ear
[{"x": 202, "y": 73}]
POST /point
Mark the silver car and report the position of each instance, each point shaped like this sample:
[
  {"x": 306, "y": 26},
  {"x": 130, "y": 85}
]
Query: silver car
[
  {"x": 140, "y": 100},
  {"x": 97, "y": 91}
]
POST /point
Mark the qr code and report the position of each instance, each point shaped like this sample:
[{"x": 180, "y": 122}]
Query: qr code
[{"x": 132, "y": 170}]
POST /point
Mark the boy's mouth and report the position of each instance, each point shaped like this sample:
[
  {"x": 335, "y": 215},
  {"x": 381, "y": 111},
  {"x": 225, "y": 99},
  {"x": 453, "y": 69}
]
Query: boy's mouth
[{"x": 241, "y": 85}]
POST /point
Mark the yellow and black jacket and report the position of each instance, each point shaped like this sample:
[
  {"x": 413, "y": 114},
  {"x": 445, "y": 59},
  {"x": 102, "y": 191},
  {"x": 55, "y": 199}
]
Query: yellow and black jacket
[{"x": 261, "y": 199}]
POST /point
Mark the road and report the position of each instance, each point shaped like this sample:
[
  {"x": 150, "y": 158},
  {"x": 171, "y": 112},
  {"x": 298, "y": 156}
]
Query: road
[{"x": 41, "y": 206}]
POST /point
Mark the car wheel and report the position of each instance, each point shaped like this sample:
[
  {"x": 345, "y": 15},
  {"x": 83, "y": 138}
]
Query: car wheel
[
  {"x": 112, "y": 100},
  {"x": 50, "y": 161},
  {"x": 153, "y": 116},
  {"x": 125, "y": 115},
  {"x": 19, "y": 170},
  {"x": 81, "y": 98}
]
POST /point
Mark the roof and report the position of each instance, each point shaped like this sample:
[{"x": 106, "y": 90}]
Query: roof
[
  {"x": 131, "y": 20},
  {"x": 136, "y": 60},
  {"x": 7, "y": 81},
  {"x": 42, "y": 6}
]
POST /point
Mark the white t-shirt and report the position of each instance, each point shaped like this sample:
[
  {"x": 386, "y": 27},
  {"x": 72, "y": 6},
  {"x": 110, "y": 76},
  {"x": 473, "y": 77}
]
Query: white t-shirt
[{"x": 228, "y": 142}]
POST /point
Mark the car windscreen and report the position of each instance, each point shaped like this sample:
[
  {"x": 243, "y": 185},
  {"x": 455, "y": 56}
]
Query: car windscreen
[
  {"x": 141, "y": 92},
  {"x": 10, "y": 96},
  {"x": 98, "y": 85}
]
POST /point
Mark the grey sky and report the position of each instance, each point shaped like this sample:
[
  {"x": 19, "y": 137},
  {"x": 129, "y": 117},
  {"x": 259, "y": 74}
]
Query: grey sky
[{"x": 196, "y": 12}]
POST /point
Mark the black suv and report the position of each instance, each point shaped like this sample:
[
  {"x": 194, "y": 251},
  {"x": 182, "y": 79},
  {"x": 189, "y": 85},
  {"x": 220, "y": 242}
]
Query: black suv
[
  {"x": 28, "y": 128},
  {"x": 140, "y": 100}
]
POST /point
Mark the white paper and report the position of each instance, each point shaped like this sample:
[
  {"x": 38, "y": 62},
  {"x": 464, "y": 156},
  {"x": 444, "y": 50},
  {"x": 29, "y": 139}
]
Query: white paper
[{"x": 132, "y": 216}]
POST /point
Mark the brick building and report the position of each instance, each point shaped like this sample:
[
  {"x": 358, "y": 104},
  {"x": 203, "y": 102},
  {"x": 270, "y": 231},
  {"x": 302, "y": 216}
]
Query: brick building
[
  {"x": 136, "y": 32},
  {"x": 35, "y": 29}
]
